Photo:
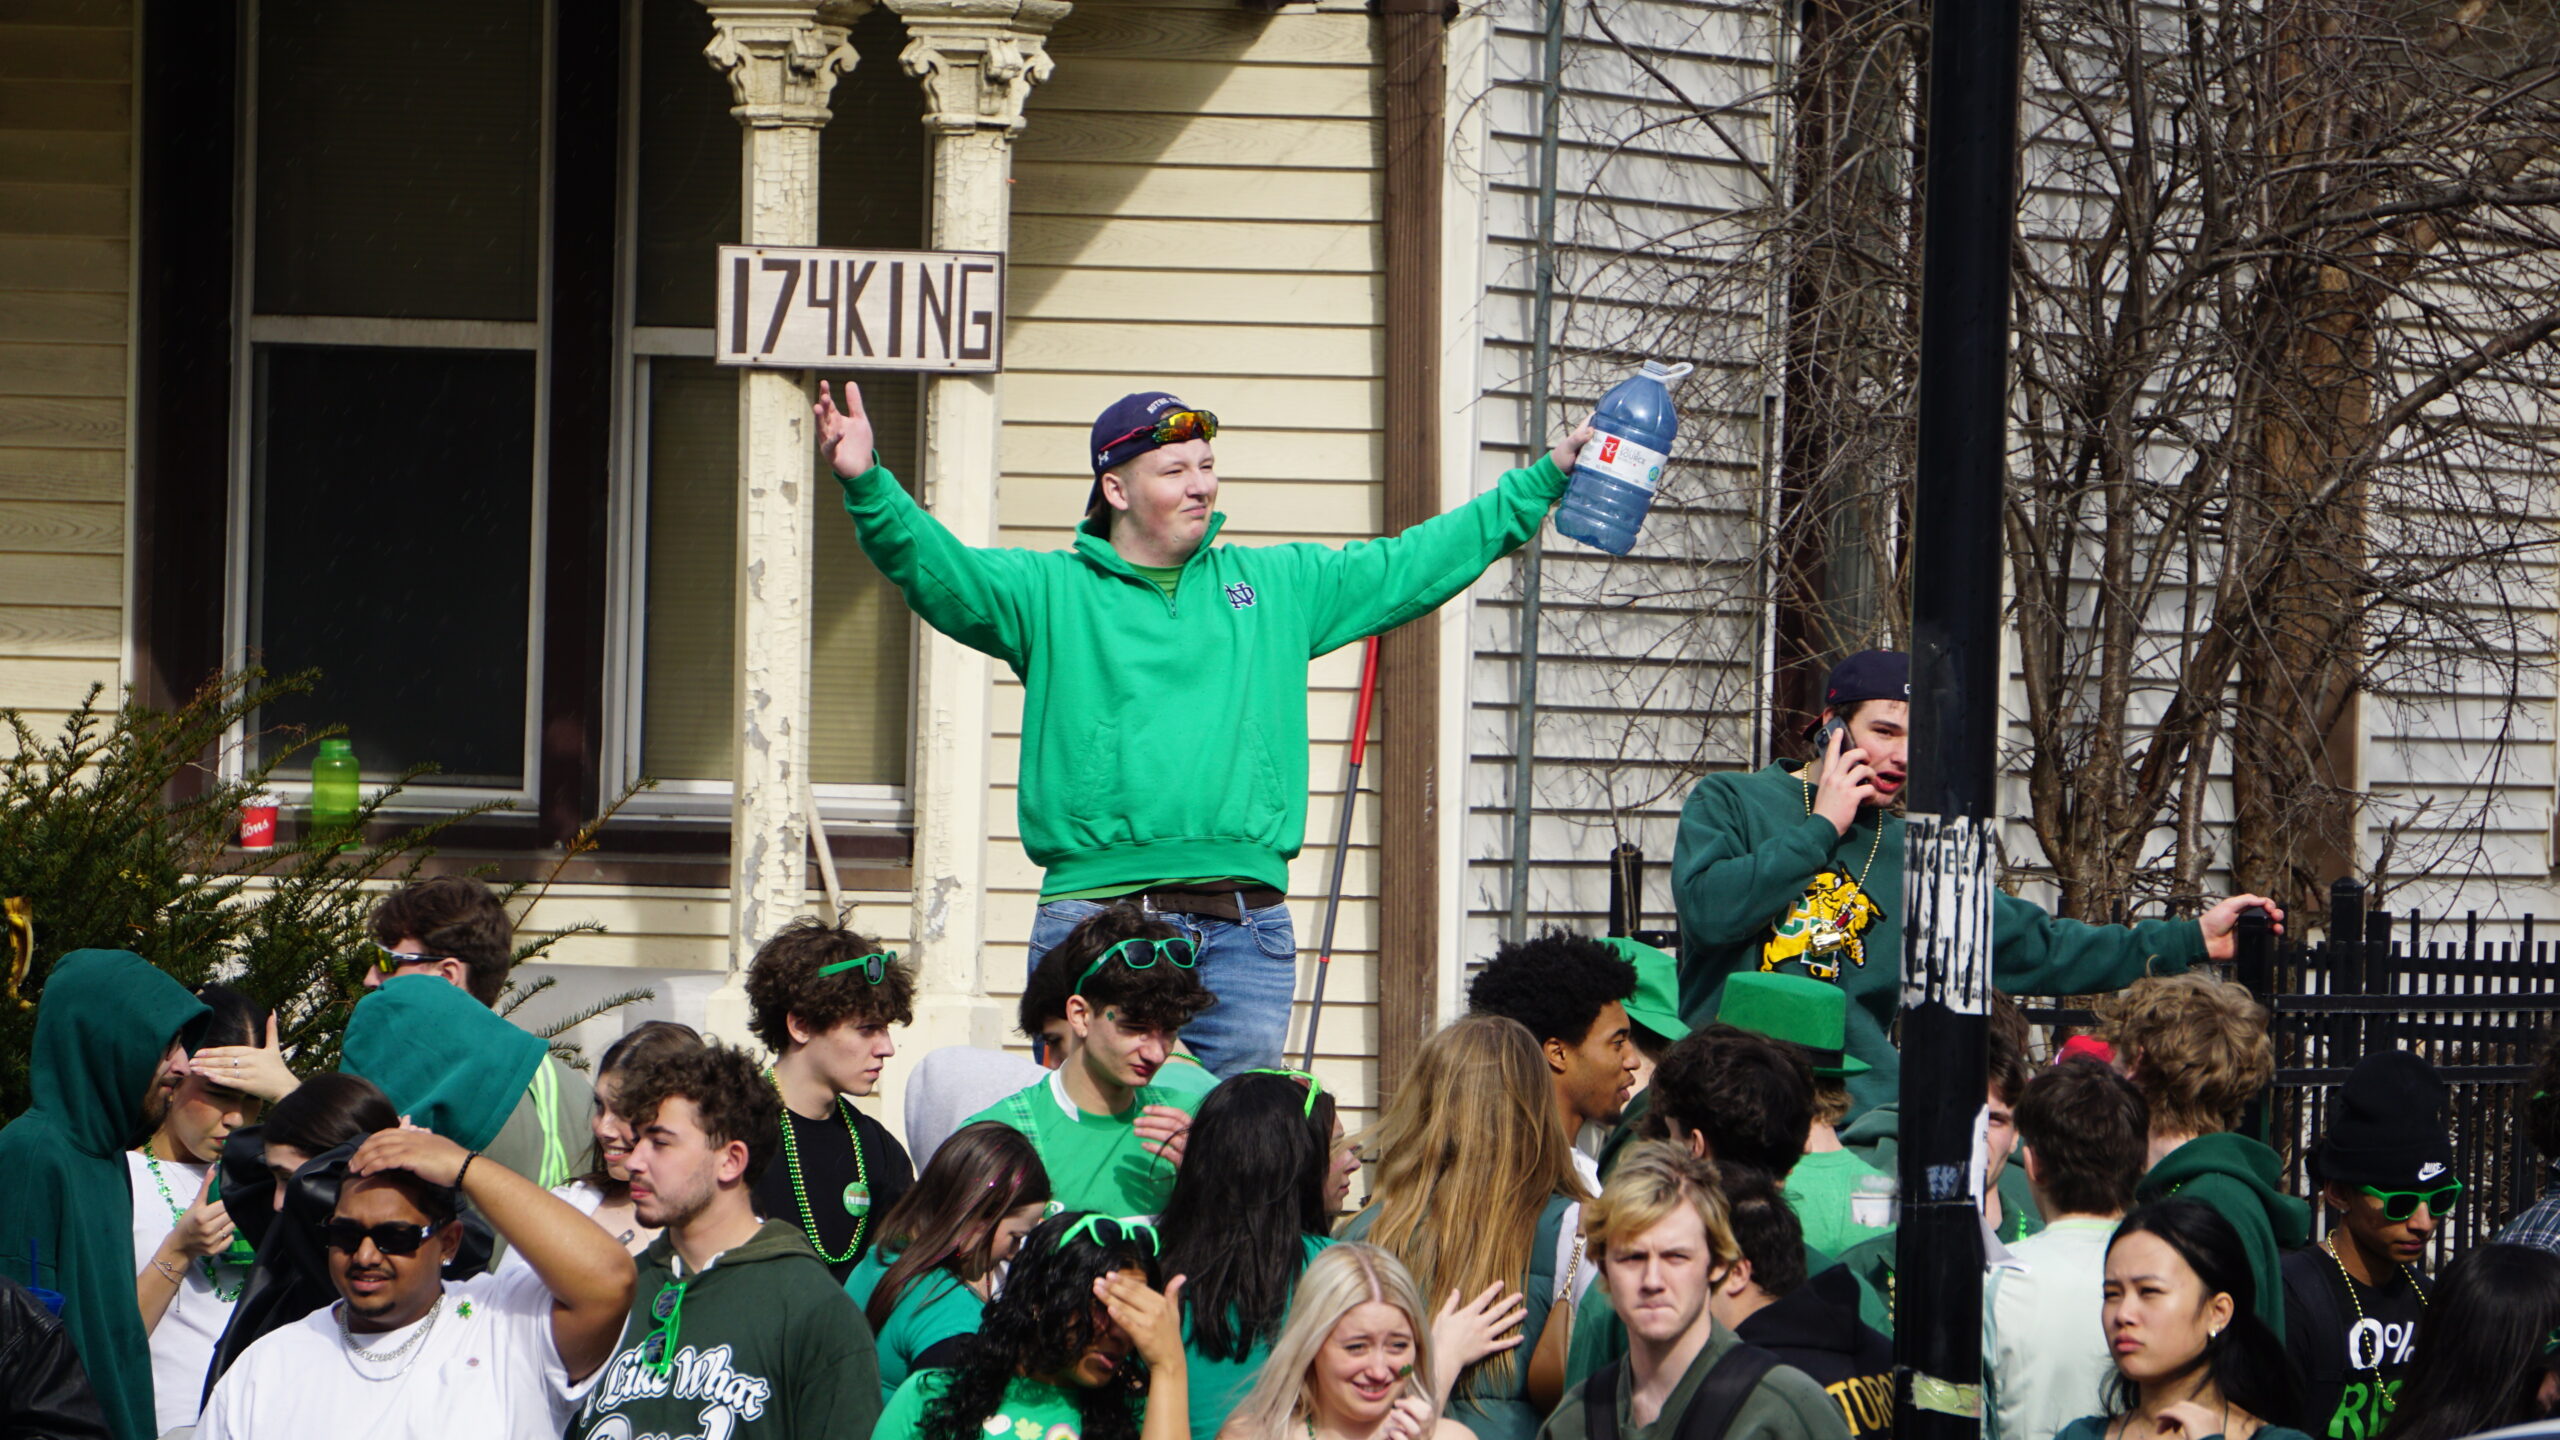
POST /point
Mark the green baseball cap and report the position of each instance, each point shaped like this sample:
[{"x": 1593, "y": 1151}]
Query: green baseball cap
[
  {"x": 1797, "y": 1009},
  {"x": 1656, "y": 1003}
]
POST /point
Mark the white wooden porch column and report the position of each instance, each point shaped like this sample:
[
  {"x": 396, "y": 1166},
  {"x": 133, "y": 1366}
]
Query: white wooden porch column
[
  {"x": 977, "y": 61},
  {"x": 782, "y": 58}
]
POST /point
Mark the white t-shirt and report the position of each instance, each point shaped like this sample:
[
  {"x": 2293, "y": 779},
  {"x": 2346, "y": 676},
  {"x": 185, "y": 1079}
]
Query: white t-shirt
[
  {"x": 579, "y": 1193},
  {"x": 489, "y": 1369},
  {"x": 182, "y": 1343}
]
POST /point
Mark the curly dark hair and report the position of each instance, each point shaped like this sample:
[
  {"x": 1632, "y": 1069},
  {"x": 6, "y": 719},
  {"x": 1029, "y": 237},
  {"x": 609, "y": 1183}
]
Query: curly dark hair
[
  {"x": 1160, "y": 997},
  {"x": 455, "y": 916},
  {"x": 729, "y": 1094},
  {"x": 783, "y": 982},
  {"x": 2542, "y": 1100},
  {"x": 1041, "y": 1323},
  {"x": 1557, "y": 984},
  {"x": 1749, "y": 1095},
  {"x": 1249, "y": 1193}
]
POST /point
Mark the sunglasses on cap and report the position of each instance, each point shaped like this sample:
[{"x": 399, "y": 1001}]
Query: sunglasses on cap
[
  {"x": 1315, "y": 1087},
  {"x": 1172, "y": 429},
  {"x": 1178, "y": 952},
  {"x": 348, "y": 1236},
  {"x": 2401, "y": 1204},
  {"x": 1089, "y": 1228},
  {"x": 392, "y": 962},
  {"x": 874, "y": 966}
]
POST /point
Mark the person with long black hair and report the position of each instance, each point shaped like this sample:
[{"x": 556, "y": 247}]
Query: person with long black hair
[
  {"x": 2193, "y": 1359},
  {"x": 1248, "y": 1212},
  {"x": 1057, "y": 1352},
  {"x": 2485, "y": 1357},
  {"x": 924, "y": 1286}
]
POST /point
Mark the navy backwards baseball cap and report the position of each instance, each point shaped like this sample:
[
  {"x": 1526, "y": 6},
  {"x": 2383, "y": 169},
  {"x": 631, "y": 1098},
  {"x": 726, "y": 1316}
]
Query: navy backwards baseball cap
[
  {"x": 1130, "y": 426},
  {"x": 1867, "y": 675}
]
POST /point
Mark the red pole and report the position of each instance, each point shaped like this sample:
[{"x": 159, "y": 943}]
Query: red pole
[{"x": 1342, "y": 843}]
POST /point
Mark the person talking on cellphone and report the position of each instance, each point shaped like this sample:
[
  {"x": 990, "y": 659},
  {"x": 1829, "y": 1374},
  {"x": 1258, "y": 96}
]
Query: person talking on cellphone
[{"x": 1796, "y": 868}]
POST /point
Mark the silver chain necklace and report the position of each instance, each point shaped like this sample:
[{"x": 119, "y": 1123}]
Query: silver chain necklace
[{"x": 356, "y": 1352}]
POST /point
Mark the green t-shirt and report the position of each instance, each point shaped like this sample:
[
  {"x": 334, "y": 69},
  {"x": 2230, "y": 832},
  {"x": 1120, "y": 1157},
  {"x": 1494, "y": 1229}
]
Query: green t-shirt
[
  {"x": 935, "y": 1308},
  {"x": 1165, "y": 577},
  {"x": 1029, "y": 1410},
  {"x": 1219, "y": 1386},
  {"x": 1818, "y": 1190},
  {"x": 1095, "y": 1162}
]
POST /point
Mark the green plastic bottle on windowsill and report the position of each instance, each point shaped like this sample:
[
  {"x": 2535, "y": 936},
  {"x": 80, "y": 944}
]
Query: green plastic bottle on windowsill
[{"x": 333, "y": 785}]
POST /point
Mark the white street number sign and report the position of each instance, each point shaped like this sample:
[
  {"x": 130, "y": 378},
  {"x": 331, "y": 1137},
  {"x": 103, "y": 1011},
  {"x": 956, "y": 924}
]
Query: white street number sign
[{"x": 861, "y": 309}]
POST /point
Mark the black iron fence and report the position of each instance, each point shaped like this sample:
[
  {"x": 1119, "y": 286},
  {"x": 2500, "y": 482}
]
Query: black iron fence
[{"x": 2476, "y": 999}]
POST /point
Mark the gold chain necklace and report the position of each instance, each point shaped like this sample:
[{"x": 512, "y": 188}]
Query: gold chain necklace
[
  {"x": 1873, "y": 845},
  {"x": 2375, "y": 1369}
]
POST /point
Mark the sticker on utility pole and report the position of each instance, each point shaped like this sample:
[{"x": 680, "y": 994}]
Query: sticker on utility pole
[
  {"x": 799, "y": 309},
  {"x": 1952, "y": 868}
]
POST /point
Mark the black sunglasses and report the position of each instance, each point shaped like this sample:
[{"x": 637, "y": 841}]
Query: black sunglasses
[{"x": 347, "y": 1237}]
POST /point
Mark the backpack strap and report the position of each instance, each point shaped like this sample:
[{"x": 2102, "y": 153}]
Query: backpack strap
[
  {"x": 1720, "y": 1396},
  {"x": 1600, "y": 1403}
]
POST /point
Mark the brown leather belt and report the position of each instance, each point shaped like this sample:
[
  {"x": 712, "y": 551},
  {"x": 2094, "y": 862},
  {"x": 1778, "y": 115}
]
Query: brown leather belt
[{"x": 1215, "y": 904}]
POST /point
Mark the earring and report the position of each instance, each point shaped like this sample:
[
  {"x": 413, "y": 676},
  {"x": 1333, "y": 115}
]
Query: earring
[{"x": 2212, "y": 1335}]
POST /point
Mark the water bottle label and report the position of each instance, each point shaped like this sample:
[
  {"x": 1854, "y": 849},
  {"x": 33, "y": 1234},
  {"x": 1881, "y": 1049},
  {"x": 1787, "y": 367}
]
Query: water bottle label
[{"x": 1622, "y": 460}]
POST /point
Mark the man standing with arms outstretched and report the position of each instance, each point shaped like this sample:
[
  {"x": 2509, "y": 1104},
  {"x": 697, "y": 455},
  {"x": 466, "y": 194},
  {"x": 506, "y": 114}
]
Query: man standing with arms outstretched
[{"x": 1164, "y": 714}]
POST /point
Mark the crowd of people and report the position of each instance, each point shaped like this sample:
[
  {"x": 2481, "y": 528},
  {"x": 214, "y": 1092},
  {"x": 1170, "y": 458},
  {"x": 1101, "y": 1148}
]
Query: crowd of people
[{"x": 1628, "y": 1193}]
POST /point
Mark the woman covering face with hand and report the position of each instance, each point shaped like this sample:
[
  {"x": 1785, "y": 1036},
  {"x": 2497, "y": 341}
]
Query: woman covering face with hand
[
  {"x": 1352, "y": 1363},
  {"x": 2193, "y": 1360},
  {"x": 1060, "y": 1350}
]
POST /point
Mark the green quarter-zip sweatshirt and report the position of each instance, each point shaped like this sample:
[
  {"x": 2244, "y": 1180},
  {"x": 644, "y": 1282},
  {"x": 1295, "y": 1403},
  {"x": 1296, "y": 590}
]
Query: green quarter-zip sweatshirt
[
  {"x": 1164, "y": 735},
  {"x": 1750, "y": 847}
]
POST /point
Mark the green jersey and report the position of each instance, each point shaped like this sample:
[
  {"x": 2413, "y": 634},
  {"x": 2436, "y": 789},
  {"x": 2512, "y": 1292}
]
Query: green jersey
[
  {"x": 1095, "y": 1162},
  {"x": 1030, "y": 1410},
  {"x": 936, "y": 1307}
]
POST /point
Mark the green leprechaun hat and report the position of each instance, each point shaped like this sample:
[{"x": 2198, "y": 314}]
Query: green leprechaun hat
[{"x": 1797, "y": 1009}]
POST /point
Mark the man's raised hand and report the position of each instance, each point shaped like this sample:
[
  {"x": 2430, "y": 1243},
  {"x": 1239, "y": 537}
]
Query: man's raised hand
[{"x": 844, "y": 436}]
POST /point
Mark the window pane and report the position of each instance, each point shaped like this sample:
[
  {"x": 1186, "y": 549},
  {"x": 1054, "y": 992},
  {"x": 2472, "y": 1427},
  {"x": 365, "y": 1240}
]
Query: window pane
[
  {"x": 390, "y": 545},
  {"x": 399, "y": 159},
  {"x": 871, "y": 158},
  {"x": 860, "y": 627}
]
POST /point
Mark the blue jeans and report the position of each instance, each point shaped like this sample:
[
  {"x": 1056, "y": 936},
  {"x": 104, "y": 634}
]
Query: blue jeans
[{"x": 1252, "y": 968}]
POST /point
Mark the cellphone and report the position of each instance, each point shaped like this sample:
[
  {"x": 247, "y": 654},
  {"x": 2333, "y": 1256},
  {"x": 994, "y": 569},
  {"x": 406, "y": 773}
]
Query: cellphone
[{"x": 1822, "y": 737}]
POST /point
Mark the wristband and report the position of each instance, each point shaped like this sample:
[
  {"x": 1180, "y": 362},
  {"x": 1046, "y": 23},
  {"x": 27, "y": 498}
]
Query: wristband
[
  {"x": 177, "y": 1277},
  {"x": 460, "y": 1175}
]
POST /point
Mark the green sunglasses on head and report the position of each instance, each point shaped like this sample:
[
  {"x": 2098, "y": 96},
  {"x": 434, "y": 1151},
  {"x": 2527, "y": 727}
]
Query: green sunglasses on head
[
  {"x": 1315, "y": 1087},
  {"x": 2401, "y": 1204},
  {"x": 1088, "y": 1229},
  {"x": 1178, "y": 951},
  {"x": 875, "y": 966}
]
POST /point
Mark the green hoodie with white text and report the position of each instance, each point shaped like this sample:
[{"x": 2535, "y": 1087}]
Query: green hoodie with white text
[
  {"x": 767, "y": 1347},
  {"x": 1165, "y": 736}
]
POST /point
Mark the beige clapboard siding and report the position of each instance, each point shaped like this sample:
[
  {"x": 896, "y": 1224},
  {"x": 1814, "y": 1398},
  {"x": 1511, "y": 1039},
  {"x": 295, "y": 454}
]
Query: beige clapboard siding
[
  {"x": 65, "y": 205},
  {"x": 1195, "y": 209}
]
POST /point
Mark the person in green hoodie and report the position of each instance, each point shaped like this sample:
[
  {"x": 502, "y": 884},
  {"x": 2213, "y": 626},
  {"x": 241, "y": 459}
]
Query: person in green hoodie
[
  {"x": 107, "y": 1055},
  {"x": 2197, "y": 1049},
  {"x": 1798, "y": 869},
  {"x": 455, "y": 928},
  {"x": 1164, "y": 730},
  {"x": 736, "y": 1328}
]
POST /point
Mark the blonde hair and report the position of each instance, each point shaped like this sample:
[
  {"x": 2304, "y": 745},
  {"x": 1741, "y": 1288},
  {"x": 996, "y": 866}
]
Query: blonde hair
[
  {"x": 1653, "y": 1179},
  {"x": 1830, "y": 1100},
  {"x": 1342, "y": 1278},
  {"x": 1469, "y": 1153},
  {"x": 2198, "y": 1048}
]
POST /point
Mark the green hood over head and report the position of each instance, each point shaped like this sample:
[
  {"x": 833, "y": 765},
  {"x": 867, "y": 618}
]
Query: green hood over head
[
  {"x": 2242, "y": 1179},
  {"x": 446, "y": 1061},
  {"x": 103, "y": 1022}
]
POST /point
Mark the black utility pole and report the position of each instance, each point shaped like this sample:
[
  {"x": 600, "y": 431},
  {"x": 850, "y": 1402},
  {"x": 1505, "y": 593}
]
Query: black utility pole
[{"x": 1970, "y": 193}]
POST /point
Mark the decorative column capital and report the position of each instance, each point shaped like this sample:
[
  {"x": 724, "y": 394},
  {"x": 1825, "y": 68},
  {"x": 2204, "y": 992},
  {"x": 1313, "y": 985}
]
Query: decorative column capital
[
  {"x": 978, "y": 59},
  {"x": 782, "y": 57}
]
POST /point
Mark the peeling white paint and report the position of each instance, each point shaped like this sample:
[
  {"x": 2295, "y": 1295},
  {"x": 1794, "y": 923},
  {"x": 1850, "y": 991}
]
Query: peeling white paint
[{"x": 1951, "y": 865}]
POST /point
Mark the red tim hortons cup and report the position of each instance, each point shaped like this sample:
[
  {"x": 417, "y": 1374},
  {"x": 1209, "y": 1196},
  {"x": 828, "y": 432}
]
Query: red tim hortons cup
[{"x": 258, "y": 823}]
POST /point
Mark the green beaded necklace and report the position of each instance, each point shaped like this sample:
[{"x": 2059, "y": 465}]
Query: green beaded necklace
[
  {"x": 237, "y": 1256},
  {"x": 857, "y": 1196}
]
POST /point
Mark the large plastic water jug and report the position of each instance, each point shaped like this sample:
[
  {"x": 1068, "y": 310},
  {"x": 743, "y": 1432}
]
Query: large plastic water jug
[{"x": 1615, "y": 477}]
